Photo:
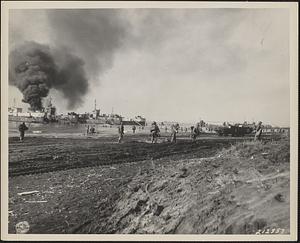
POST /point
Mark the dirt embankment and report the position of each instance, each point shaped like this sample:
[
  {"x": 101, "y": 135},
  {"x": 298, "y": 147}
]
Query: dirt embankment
[
  {"x": 166, "y": 188},
  {"x": 239, "y": 191}
]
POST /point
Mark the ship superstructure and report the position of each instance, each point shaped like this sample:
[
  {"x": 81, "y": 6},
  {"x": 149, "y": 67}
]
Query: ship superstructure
[
  {"x": 113, "y": 119},
  {"x": 96, "y": 117}
]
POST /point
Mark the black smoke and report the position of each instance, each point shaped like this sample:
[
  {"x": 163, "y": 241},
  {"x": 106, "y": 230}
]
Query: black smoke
[
  {"x": 35, "y": 68},
  {"x": 93, "y": 34},
  {"x": 81, "y": 46}
]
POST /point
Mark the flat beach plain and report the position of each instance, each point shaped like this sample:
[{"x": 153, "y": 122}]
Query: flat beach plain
[{"x": 92, "y": 184}]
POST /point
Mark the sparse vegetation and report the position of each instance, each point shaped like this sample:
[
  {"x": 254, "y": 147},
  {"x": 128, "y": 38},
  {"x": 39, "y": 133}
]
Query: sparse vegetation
[{"x": 196, "y": 188}]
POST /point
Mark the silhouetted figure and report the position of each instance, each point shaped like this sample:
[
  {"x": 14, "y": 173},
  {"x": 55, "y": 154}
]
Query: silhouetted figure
[
  {"x": 92, "y": 130},
  {"x": 121, "y": 132},
  {"x": 133, "y": 128},
  {"x": 258, "y": 131},
  {"x": 195, "y": 132},
  {"x": 22, "y": 129},
  {"x": 174, "y": 131},
  {"x": 154, "y": 132}
]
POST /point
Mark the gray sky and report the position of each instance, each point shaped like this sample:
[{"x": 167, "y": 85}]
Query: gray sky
[{"x": 213, "y": 64}]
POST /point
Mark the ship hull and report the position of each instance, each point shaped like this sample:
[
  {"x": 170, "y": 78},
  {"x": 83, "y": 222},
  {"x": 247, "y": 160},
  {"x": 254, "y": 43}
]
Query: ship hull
[
  {"x": 27, "y": 119},
  {"x": 96, "y": 121},
  {"x": 104, "y": 121},
  {"x": 135, "y": 123}
]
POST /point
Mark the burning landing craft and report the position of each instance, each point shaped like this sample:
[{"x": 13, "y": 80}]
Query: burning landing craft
[
  {"x": 15, "y": 114},
  {"x": 35, "y": 69},
  {"x": 46, "y": 115}
]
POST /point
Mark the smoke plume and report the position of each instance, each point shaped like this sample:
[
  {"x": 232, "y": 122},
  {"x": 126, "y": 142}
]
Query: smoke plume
[
  {"x": 34, "y": 69},
  {"x": 80, "y": 47},
  {"x": 93, "y": 34}
]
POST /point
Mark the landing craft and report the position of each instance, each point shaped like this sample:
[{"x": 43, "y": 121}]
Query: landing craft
[
  {"x": 48, "y": 114},
  {"x": 16, "y": 115},
  {"x": 113, "y": 119},
  {"x": 137, "y": 121}
]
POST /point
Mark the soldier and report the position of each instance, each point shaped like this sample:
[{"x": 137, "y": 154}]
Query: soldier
[
  {"x": 133, "y": 128},
  {"x": 192, "y": 132},
  {"x": 121, "y": 132},
  {"x": 195, "y": 131},
  {"x": 258, "y": 131},
  {"x": 174, "y": 131},
  {"x": 154, "y": 132},
  {"x": 22, "y": 129},
  {"x": 92, "y": 130}
]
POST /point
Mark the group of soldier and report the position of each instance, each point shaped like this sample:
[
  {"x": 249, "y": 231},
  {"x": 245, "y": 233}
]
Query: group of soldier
[
  {"x": 195, "y": 132},
  {"x": 90, "y": 130},
  {"x": 154, "y": 131}
]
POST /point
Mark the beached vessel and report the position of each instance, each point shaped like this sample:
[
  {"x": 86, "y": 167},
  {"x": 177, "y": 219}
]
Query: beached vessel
[
  {"x": 113, "y": 119},
  {"x": 48, "y": 114},
  {"x": 16, "y": 115},
  {"x": 137, "y": 121}
]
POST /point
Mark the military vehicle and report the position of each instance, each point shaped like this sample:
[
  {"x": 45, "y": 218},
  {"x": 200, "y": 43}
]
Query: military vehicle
[{"x": 237, "y": 130}]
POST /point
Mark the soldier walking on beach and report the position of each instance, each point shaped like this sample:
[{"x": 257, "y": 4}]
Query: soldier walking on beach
[
  {"x": 92, "y": 130},
  {"x": 174, "y": 131},
  {"x": 192, "y": 129},
  {"x": 258, "y": 131},
  {"x": 133, "y": 128},
  {"x": 195, "y": 131},
  {"x": 121, "y": 132},
  {"x": 154, "y": 132},
  {"x": 22, "y": 129}
]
